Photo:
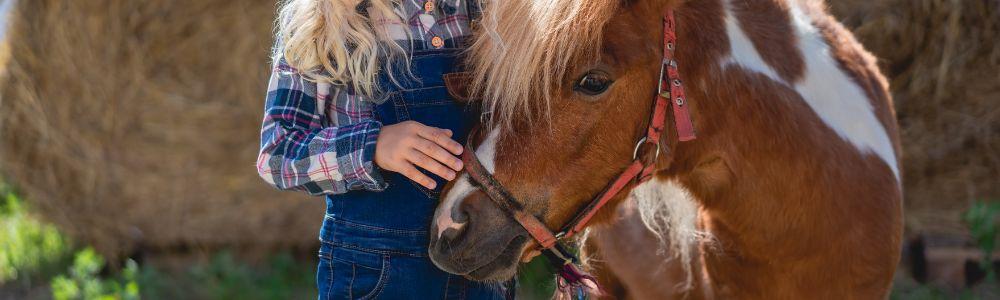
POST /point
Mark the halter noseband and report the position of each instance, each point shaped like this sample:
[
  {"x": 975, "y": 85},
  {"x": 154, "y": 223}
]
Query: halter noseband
[{"x": 670, "y": 92}]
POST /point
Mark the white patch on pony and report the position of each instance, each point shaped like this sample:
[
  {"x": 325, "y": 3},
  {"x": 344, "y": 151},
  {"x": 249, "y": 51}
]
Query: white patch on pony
[
  {"x": 463, "y": 187},
  {"x": 459, "y": 191},
  {"x": 671, "y": 212},
  {"x": 742, "y": 51},
  {"x": 837, "y": 99},
  {"x": 832, "y": 95},
  {"x": 487, "y": 151}
]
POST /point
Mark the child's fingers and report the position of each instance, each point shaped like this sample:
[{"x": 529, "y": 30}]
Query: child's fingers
[
  {"x": 440, "y": 154},
  {"x": 441, "y": 137},
  {"x": 427, "y": 163},
  {"x": 413, "y": 174}
]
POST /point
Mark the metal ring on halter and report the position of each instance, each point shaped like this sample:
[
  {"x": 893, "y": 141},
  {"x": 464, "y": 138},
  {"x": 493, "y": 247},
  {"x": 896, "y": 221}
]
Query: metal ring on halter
[{"x": 635, "y": 153}]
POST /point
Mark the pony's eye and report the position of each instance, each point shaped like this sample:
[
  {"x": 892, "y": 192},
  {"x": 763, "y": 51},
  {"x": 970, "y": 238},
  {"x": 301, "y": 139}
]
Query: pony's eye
[{"x": 593, "y": 83}]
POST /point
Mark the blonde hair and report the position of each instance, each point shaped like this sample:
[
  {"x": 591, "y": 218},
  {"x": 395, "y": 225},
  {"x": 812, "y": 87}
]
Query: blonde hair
[
  {"x": 526, "y": 50},
  {"x": 331, "y": 41}
]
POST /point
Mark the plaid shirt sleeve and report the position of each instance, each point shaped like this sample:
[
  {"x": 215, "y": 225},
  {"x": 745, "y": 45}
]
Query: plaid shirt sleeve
[{"x": 304, "y": 147}]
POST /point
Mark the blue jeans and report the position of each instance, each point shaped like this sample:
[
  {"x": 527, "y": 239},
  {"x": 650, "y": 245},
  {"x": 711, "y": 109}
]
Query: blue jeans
[{"x": 374, "y": 244}]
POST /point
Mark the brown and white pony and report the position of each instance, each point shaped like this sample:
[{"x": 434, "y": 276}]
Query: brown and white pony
[{"x": 791, "y": 189}]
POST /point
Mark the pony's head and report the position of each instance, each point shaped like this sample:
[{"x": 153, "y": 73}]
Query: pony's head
[{"x": 567, "y": 86}]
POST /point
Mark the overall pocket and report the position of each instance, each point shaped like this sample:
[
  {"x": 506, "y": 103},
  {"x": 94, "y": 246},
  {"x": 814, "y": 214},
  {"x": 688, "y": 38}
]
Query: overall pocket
[
  {"x": 346, "y": 273},
  {"x": 431, "y": 106}
]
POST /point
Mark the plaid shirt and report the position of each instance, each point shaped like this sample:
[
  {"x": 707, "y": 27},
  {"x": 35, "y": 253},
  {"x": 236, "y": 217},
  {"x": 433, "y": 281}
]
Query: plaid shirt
[{"x": 320, "y": 138}]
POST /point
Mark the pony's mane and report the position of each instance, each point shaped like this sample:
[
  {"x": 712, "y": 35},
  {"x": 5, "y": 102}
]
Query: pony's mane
[{"x": 521, "y": 57}]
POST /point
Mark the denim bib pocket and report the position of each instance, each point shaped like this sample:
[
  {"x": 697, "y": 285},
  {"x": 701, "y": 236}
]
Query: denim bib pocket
[{"x": 429, "y": 106}]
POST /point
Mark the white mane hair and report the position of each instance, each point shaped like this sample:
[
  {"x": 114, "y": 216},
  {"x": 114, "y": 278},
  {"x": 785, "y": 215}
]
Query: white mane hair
[
  {"x": 668, "y": 210},
  {"x": 523, "y": 54}
]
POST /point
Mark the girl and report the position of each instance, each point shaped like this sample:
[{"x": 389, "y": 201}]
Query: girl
[{"x": 357, "y": 111}]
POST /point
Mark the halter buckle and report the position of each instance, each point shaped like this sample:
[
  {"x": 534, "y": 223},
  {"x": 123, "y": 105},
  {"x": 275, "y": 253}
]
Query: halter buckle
[
  {"x": 659, "y": 86},
  {"x": 635, "y": 153}
]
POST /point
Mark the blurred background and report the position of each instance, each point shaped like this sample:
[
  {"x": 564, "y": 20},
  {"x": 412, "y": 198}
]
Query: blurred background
[{"x": 129, "y": 133}]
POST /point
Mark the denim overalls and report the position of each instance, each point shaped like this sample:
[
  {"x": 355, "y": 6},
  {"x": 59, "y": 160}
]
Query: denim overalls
[{"x": 374, "y": 244}]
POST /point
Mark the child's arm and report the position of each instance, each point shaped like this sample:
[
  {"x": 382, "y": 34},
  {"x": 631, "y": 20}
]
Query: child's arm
[{"x": 299, "y": 150}]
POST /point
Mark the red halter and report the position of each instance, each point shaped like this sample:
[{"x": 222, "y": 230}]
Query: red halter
[{"x": 670, "y": 92}]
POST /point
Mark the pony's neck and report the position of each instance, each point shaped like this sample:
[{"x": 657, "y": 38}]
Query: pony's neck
[{"x": 785, "y": 194}]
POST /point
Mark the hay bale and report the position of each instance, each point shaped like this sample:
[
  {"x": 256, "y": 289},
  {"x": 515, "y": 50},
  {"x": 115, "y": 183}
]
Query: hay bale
[
  {"x": 133, "y": 123},
  {"x": 943, "y": 61}
]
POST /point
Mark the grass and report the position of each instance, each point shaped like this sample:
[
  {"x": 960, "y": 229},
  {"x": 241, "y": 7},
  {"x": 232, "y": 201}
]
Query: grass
[{"x": 225, "y": 277}]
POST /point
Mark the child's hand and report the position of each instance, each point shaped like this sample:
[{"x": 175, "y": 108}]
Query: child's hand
[{"x": 403, "y": 147}]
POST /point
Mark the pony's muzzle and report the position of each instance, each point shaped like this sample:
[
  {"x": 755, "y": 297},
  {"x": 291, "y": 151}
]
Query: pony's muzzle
[{"x": 486, "y": 247}]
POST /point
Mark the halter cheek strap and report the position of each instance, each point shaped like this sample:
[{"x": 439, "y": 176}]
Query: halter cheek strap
[
  {"x": 672, "y": 79},
  {"x": 670, "y": 92}
]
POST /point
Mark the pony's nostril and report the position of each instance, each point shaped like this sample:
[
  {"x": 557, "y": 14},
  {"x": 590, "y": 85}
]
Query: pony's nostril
[
  {"x": 459, "y": 215},
  {"x": 460, "y": 218},
  {"x": 451, "y": 234}
]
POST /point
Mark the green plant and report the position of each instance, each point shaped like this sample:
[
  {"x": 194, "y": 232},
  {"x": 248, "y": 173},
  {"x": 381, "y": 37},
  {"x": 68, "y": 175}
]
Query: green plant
[
  {"x": 981, "y": 218},
  {"x": 29, "y": 249},
  {"x": 83, "y": 281}
]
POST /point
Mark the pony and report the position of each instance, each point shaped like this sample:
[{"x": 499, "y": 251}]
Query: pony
[{"x": 791, "y": 188}]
